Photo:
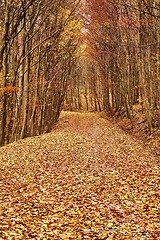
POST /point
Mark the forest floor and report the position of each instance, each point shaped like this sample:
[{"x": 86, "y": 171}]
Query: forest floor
[
  {"x": 87, "y": 179},
  {"x": 138, "y": 128}
]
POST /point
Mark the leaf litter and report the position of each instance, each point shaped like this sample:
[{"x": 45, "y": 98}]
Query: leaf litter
[{"x": 86, "y": 179}]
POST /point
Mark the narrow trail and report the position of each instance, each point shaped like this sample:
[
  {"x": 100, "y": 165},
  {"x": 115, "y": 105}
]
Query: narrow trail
[{"x": 86, "y": 179}]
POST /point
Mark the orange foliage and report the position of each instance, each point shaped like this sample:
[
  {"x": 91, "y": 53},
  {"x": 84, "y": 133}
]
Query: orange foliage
[{"x": 9, "y": 89}]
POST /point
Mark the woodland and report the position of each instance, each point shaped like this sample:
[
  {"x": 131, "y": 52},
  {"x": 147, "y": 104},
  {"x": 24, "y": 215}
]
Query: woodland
[
  {"x": 79, "y": 119},
  {"x": 87, "y": 55}
]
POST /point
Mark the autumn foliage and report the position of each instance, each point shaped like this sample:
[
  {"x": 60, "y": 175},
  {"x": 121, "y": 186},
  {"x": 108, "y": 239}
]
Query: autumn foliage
[
  {"x": 87, "y": 179},
  {"x": 8, "y": 89},
  {"x": 123, "y": 38},
  {"x": 38, "y": 48}
]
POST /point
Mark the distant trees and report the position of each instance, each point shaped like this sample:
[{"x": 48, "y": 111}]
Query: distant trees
[
  {"x": 124, "y": 39},
  {"x": 38, "y": 48},
  {"x": 84, "y": 91}
]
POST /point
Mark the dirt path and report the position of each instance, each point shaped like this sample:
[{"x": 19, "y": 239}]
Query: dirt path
[{"x": 85, "y": 180}]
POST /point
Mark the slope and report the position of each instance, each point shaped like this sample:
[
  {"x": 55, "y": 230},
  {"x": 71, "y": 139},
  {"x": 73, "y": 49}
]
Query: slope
[{"x": 86, "y": 179}]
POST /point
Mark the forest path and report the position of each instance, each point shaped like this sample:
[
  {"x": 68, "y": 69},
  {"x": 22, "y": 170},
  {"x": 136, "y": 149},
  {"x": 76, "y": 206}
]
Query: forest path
[{"x": 86, "y": 179}]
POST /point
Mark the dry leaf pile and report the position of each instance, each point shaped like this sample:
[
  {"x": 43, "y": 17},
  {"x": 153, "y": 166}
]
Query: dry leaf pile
[{"x": 86, "y": 179}]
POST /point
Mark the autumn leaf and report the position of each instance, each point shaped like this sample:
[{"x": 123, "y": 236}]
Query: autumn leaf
[{"x": 74, "y": 184}]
